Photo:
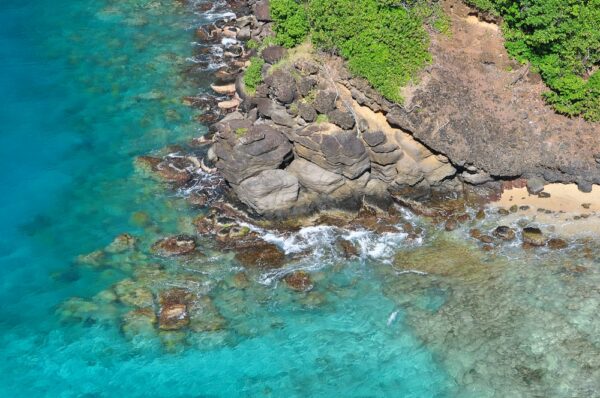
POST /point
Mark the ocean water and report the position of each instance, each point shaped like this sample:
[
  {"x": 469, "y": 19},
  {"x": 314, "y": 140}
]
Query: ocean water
[{"x": 85, "y": 87}]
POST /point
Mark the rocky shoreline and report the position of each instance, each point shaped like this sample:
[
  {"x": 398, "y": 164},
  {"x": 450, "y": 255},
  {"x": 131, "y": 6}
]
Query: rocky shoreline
[{"x": 312, "y": 137}]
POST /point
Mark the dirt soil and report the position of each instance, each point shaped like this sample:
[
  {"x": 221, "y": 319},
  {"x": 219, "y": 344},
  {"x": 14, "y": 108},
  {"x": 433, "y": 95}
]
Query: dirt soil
[{"x": 480, "y": 108}]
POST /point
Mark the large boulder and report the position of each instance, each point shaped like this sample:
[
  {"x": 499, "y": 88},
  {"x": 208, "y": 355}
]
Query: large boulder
[
  {"x": 273, "y": 54},
  {"x": 269, "y": 191},
  {"x": 245, "y": 152},
  {"x": 262, "y": 11},
  {"x": 327, "y": 146},
  {"x": 325, "y": 101},
  {"x": 315, "y": 178},
  {"x": 282, "y": 85}
]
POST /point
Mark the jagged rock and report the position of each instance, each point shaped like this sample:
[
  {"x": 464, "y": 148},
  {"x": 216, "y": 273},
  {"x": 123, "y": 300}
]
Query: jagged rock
[
  {"x": 329, "y": 147},
  {"x": 283, "y": 86},
  {"x": 307, "y": 112},
  {"x": 174, "y": 246},
  {"x": 533, "y": 236},
  {"x": 271, "y": 190},
  {"x": 343, "y": 119},
  {"x": 374, "y": 138},
  {"x": 273, "y": 54},
  {"x": 325, "y": 101},
  {"x": 314, "y": 177},
  {"x": 245, "y": 153}
]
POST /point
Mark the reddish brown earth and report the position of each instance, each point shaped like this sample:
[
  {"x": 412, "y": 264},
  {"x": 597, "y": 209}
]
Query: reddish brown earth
[{"x": 482, "y": 109}]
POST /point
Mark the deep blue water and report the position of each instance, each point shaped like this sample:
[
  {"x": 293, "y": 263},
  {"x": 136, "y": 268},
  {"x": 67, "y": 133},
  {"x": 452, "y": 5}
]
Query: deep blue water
[{"x": 86, "y": 86}]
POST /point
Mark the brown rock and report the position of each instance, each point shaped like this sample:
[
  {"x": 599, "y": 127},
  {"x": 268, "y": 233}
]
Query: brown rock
[
  {"x": 174, "y": 246},
  {"x": 533, "y": 237},
  {"x": 347, "y": 248},
  {"x": 299, "y": 281},
  {"x": 505, "y": 233},
  {"x": 556, "y": 243},
  {"x": 261, "y": 254}
]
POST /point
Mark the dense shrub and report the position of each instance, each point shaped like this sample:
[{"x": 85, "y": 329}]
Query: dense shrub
[
  {"x": 383, "y": 40},
  {"x": 561, "y": 39},
  {"x": 253, "y": 75},
  {"x": 291, "y": 23}
]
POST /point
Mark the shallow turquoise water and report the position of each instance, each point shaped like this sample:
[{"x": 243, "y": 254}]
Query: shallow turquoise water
[{"x": 86, "y": 86}]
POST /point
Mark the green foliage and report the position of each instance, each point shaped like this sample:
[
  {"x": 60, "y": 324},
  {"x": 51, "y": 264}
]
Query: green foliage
[
  {"x": 240, "y": 132},
  {"x": 322, "y": 119},
  {"x": 291, "y": 23},
  {"x": 253, "y": 75},
  {"x": 561, "y": 39},
  {"x": 382, "y": 42},
  {"x": 252, "y": 44}
]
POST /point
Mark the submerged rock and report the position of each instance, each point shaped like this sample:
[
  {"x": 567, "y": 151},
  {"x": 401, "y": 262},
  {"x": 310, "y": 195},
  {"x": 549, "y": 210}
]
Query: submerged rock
[
  {"x": 299, "y": 281},
  {"x": 261, "y": 254},
  {"x": 174, "y": 246},
  {"x": 505, "y": 233},
  {"x": 557, "y": 243},
  {"x": 121, "y": 243},
  {"x": 133, "y": 294},
  {"x": 173, "y": 313},
  {"x": 533, "y": 236},
  {"x": 347, "y": 248}
]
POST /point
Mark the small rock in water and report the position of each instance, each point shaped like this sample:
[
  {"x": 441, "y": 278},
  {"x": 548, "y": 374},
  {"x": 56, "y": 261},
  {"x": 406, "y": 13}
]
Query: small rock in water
[
  {"x": 544, "y": 195},
  {"x": 514, "y": 208},
  {"x": 174, "y": 246},
  {"x": 557, "y": 243},
  {"x": 132, "y": 294},
  {"x": 450, "y": 225},
  {"x": 121, "y": 243},
  {"x": 347, "y": 248},
  {"x": 503, "y": 212},
  {"x": 533, "y": 236},
  {"x": 505, "y": 233},
  {"x": 299, "y": 281},
  {"x": 480, "y": 214},
  {"x": 486, "y": 239},
  {"x": 173, "y": 313}
]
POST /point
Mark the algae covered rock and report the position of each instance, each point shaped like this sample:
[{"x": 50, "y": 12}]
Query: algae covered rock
[
  {"x": 533, "y": 236},
  {"x": 262, "y": 255},
  {"x": 174, "y": 246}
]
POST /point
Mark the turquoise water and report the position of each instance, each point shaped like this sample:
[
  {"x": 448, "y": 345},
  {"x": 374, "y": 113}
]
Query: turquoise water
[{"x": 86, "y": 86}]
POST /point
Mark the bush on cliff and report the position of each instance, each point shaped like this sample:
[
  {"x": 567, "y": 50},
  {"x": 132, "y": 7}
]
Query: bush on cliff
[
  {"x": 253, "y": 75},
  {"x": 561, "y": 39},
  {"x": 384, "y": 41}
]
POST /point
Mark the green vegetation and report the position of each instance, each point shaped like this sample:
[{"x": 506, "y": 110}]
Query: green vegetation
[
  {"x": 240, "y": 132},
  {"x": 561, "y": 40},
  {"x": 253, "y": 75},
  {"x": 252, "y": 44},
  {"x": 291, "y": 22},
  {"x": 322, "y": 119},
  {"x": 384, "y": 41}
]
